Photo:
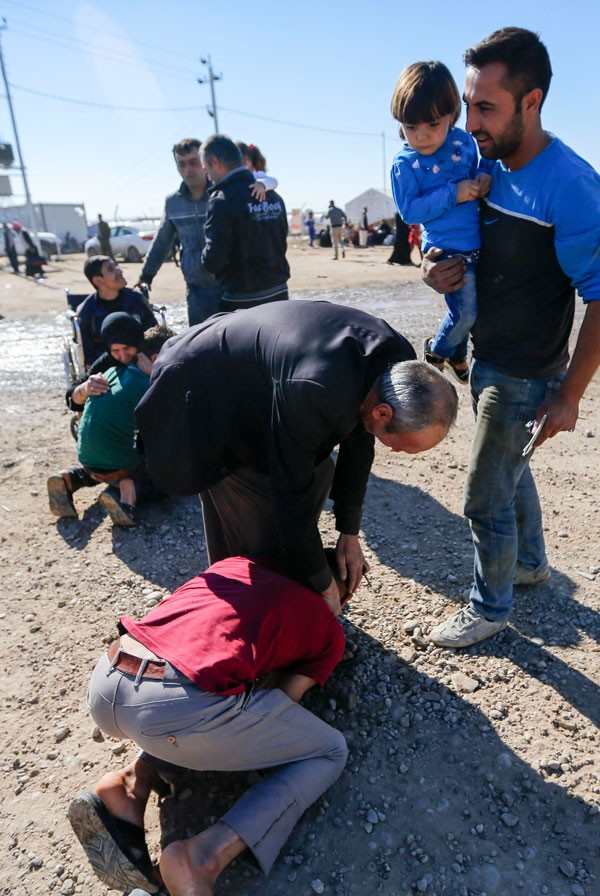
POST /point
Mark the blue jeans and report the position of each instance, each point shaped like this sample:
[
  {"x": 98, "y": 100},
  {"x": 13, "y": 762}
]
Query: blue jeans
[
  {"x": 501, "y": 500},
  {"x": 452, "y": 337},
  {"x": 202, "y": 302}
]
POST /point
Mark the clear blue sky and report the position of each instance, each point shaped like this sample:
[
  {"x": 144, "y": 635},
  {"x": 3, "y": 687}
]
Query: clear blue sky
[{"x": 308, "y": 82}]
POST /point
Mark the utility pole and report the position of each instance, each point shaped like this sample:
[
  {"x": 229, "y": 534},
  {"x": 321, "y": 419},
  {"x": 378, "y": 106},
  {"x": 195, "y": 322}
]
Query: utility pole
[
  {"x": 30, "y": 208},
  {"x": 212, "y": 110}
]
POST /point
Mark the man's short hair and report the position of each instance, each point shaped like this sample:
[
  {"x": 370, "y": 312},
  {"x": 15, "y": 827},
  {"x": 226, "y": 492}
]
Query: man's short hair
[
  {"x": 154, "y": 339},
  {"x": 93, "y": 267},
  {"x": 187, "y": 145},
  {"x": 522, "y": 53},
  {"x": 419, "y": 395},
  {"x": 224, "y": 150}
]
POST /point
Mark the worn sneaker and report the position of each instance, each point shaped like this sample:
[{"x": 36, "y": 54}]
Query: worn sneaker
[
  {"x": 464, "y": 628},
  {"x": 121, "y": 514},
  {"x": 524, "y": 576},
  {"x": 60, "y": 499}
]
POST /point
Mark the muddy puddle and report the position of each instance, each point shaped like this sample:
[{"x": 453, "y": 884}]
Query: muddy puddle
[{"x": 31, "y": 351}]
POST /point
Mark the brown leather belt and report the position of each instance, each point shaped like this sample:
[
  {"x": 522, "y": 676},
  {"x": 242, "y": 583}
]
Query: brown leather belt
[{"x": 134, "y": 665}]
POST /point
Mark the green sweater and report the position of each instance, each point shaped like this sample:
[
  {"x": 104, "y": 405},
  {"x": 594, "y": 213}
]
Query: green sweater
[{"x": 107, "y": 429}]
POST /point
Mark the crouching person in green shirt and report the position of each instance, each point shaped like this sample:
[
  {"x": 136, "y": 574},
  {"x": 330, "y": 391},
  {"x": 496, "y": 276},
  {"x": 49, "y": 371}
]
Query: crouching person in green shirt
[{"x": 106, "y": 445}]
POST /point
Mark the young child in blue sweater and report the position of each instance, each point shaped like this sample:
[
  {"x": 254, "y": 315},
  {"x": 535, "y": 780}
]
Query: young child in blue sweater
[{"x": 435, "y": 183}]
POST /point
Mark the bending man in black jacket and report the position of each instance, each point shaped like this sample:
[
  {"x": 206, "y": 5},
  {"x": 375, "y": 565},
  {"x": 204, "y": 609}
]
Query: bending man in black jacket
[
  {"x": 245, "y": 239},
  {"x": 247, "y": 409}
]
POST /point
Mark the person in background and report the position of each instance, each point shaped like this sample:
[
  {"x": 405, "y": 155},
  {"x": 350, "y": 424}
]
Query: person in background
[
  {"x": 337, "y": 220},
  {"x": 103, "y": 233},
  {"x": 401, "y": 251},
  {"x": 363, "y": 229},
  {"x": 10, "y": 248},
  {"x": 310, "y": 226}
]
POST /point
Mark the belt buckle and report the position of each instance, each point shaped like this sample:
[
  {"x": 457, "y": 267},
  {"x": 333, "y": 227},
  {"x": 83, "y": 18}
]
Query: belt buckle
[{"x": 140, "y": 672}]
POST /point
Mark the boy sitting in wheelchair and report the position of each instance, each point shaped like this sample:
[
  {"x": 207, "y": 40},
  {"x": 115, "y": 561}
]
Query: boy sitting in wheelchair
[{"x": 111, "y": 294}]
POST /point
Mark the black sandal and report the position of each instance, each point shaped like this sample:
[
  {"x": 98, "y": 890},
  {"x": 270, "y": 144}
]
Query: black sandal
[
  {"x": 435, "y": 360},
  {"x": 461, "y": 375}
]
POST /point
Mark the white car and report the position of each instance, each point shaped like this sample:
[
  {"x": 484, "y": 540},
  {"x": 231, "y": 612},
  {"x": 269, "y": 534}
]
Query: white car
[{"x": 126, "y": 240}]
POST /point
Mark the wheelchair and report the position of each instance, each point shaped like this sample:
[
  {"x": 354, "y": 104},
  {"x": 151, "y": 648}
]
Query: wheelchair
[{"x": 73, "y": 357}]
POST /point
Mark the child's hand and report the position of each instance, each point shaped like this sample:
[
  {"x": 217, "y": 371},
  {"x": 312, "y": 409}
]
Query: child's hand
[
  {"x": 485, "y": 182},
  {"x": 466, "y": 190},
  {"x": 258, "y": 190}
]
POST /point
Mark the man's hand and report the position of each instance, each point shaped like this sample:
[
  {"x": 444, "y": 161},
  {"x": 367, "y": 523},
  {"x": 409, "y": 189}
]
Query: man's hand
[
  {"x": 443, "y": 276},
  {"x": 142, "y": 284},
  {"x": 258, "y": 190},
  {"x": 144, "y": 363},
  {"x": 466, "y": 190},
  {"x": 351, "y": 561},
  {"x": 562, "y": 415},
  {"x": 485, "y": 182}
]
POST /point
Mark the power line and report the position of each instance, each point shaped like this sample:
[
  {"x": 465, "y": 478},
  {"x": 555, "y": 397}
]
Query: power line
[
  {"x": 52, "y": 15},
  {"x": 109, "y": 106},
  {"x": 308, "y": 127},
  {"x": 67, "y": 43},
  {"x": 113, "y": 108}
]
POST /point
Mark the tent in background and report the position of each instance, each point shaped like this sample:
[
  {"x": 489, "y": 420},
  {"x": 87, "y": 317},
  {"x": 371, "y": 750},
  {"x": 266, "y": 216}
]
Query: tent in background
[{"x": 379, "y": 206}]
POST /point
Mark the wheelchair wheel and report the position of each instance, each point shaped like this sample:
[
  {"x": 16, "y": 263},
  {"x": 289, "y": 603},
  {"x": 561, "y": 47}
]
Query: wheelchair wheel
[{"x": 74, "y": 426}]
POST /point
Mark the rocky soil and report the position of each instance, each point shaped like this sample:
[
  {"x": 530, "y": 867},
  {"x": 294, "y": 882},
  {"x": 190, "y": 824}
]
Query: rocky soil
[{"x": 471, "y": 772}]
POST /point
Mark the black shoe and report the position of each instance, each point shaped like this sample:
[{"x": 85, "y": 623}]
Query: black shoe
[
  {"x": 60, "y": 499},
  {"x": 121, "y": 514}
]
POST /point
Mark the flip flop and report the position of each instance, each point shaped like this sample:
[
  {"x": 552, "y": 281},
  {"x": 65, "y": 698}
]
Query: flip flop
[{"x": 108, "y": 843}]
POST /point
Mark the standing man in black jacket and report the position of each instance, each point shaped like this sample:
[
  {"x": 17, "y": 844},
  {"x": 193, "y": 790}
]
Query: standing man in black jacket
[
  {"x": 248, "y": 407},
  {"x": 245, "y": 239}
]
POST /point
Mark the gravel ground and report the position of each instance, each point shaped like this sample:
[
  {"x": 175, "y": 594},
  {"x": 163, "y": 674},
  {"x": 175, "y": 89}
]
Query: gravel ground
[{"x": 472, "y": 772}]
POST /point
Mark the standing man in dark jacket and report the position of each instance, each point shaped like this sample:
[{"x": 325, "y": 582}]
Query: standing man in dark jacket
[
  {"x": 248, "y": 408},
  {"x": 183, "y": 219},
  {"x": 246, "y": 240}
]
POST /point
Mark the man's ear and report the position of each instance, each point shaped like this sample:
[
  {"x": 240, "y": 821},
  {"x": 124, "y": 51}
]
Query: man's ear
[
  {"x": 533, "y": 100},
  {"x": 97, "y": 277},
  {"x": 382, "y": 413}
]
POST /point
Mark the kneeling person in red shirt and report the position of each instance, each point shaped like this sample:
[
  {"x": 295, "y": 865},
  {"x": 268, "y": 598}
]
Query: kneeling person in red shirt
[{"x": 184, "y": 684}]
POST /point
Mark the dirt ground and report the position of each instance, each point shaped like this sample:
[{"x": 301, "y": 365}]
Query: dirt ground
[{"x": 471, "y": 772}]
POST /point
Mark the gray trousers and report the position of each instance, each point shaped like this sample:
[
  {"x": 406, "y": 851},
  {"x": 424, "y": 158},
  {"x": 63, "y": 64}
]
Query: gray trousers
[
  {"x": 238, "y": 513},
  {"x": 179, "y": 723}
]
